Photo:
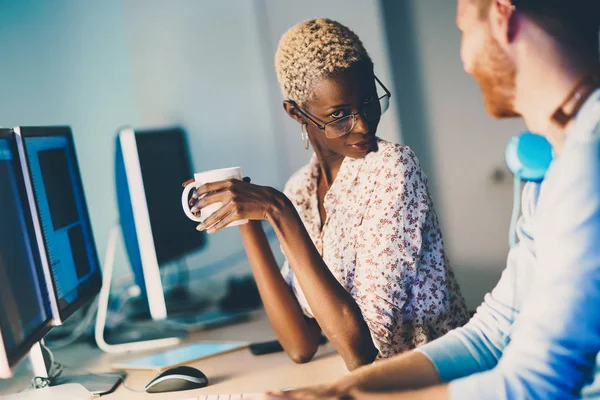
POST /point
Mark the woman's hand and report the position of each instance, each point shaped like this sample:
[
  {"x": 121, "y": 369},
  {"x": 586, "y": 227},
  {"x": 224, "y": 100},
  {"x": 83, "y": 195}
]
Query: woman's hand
[{"x": 241, "y": 200}]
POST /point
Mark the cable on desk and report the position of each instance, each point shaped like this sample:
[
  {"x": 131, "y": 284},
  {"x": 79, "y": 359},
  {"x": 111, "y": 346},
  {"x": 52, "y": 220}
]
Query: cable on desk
[
  {"x": 56, "y": 369},
  {"x": 121, "y": 378}
]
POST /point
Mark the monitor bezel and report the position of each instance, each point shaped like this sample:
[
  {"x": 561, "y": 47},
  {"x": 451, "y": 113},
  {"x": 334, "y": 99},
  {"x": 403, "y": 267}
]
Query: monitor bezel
[
  {"x": 8, "y": 361},
  {"x": 143, "y": 229},
  {"x": 95, "y": 282}
]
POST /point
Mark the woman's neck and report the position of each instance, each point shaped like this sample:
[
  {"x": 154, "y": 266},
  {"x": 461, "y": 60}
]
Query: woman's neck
[{"x": 329, "y": 164}]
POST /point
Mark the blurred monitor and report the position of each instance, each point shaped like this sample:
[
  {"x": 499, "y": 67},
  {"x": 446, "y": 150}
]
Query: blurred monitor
[
  {"x": 150, "y": 167},
  {"x": 25, "y": 311},
  {"x": 57, "y": 191}
]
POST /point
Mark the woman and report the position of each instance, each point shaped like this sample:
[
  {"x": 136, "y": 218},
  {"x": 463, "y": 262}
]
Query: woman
[{"x": 364, "y": 253}]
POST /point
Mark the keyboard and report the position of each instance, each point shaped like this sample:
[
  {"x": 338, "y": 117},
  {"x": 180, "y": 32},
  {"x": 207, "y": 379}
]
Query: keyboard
[{"x": 226, "y": 397}]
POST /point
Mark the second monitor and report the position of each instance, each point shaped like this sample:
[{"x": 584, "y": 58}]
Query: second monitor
[
  {"x": 57, "y": 191},
  {"x": 150, "y": 167}
]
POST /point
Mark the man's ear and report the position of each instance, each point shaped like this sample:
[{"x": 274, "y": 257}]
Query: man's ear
[
  {"x": 504, "y": 21},
  {"x": 293, "y": 112}
]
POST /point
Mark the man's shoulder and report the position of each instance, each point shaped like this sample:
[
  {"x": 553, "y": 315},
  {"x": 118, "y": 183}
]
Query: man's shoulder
[{"x": 586, "y": 126}]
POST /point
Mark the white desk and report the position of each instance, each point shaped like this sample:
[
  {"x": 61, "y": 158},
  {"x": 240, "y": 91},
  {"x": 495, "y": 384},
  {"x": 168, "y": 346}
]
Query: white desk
[{"x": 236, "y": 372}]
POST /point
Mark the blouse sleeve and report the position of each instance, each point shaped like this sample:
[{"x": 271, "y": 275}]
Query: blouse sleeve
[{"x": 395, "y": 283}]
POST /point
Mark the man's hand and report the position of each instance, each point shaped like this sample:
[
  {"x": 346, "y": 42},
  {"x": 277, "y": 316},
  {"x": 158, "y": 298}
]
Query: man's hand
[
  {"x": 340, "y": 389},
  {"x": 439, "y": 392},
  {"x": 406, "y": 376},
  {"x": 321, "y": 392}
]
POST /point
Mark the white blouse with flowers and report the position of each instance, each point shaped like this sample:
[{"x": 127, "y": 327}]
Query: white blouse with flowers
[{"x": 382, "y": 242}]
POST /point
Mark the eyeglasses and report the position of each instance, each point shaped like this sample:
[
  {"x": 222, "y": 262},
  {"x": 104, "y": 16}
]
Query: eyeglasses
[{"x": 371, "y": 111}]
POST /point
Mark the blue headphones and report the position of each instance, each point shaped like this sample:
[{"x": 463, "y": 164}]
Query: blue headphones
[{"x": 528, "y": 156}]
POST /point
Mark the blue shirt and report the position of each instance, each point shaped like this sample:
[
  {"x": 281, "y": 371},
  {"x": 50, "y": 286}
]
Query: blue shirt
[{"x": 537, "y": 334}]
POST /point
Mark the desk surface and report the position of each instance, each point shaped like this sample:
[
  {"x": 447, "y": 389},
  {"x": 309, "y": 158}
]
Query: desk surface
[{"x": 235, "y": 372}]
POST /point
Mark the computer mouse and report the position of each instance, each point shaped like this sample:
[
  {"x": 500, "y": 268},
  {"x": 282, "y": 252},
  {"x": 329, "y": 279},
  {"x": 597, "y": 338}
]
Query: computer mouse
[{"x": 175, "y": 379}]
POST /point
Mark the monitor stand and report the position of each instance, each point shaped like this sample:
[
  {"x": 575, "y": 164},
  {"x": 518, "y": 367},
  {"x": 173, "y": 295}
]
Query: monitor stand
[
  {"x": 179, "y": 301},
  {"x": 137, "y": 345},
  {"x": 74, "y": 387}
]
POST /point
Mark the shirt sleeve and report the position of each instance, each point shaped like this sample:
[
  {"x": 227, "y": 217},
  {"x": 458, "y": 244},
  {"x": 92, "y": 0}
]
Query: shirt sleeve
[
  {"x": 478, "y": 345},
  {"x": 393, "y": 283},
  {"x": 556, "y": 339}
]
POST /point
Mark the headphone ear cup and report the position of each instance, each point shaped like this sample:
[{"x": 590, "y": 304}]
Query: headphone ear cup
[{"x": 529, "y": 156}]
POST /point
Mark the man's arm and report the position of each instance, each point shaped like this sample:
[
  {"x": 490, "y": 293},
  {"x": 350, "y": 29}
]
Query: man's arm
[
  {"x": 408, "y": 370},
  {"x": 556, "y": 340},
  {"x": 378, "y": 380},
  {"x": 474, "y": 348}
]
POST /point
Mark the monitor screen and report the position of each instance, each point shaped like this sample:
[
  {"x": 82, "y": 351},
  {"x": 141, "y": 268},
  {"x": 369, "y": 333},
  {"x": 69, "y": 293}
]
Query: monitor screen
[
  {"x": 165, "y": 165},
  {"x": 63, "y": 215},
  {"x": 25, "y": 312}
]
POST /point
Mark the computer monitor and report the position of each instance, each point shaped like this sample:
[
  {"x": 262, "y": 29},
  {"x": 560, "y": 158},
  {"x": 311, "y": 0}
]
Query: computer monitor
[
  {"x": 25, "y": 312},
  {"x": 50, "y": 166},
  {"x": 150, "y": 167}
]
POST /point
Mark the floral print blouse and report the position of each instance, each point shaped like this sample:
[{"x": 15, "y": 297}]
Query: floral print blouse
[{"x": 382, "y": 242}]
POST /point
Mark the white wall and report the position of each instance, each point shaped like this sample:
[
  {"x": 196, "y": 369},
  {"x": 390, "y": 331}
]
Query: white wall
[
  {"x": 65, "y": 62},
  {"x": 460, "y": 146}
]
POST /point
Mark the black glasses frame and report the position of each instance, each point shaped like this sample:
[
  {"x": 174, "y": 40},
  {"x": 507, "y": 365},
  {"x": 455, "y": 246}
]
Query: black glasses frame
[{"x": 387, "y": 94}]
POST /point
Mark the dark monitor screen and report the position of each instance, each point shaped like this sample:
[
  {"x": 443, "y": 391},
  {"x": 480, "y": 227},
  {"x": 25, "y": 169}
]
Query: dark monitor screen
[
  {"x": 165, "y": 165},
  {"x": 25, "y": 312},
  {"x": 63, "y": 216}
]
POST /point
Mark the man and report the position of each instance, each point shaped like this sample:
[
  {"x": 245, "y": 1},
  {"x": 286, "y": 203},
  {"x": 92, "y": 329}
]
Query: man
[{"x": 537, "y": 335}]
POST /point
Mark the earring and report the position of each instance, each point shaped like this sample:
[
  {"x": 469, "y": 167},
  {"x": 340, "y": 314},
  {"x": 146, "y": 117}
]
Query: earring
[{"x": 304, "y": 135}]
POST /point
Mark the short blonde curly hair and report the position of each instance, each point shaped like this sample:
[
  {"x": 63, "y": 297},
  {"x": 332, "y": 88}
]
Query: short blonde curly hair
[{"x": 313, "y": 50}]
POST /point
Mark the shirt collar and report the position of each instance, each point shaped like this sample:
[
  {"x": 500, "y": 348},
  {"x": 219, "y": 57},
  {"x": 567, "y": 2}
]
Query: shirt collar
[
  {"x": 586, "y": 119},
  {"x": 347, "y": 174}
]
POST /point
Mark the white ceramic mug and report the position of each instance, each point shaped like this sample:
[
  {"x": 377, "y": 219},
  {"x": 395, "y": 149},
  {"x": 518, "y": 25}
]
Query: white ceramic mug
[{"x": 200, "y": 179}]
